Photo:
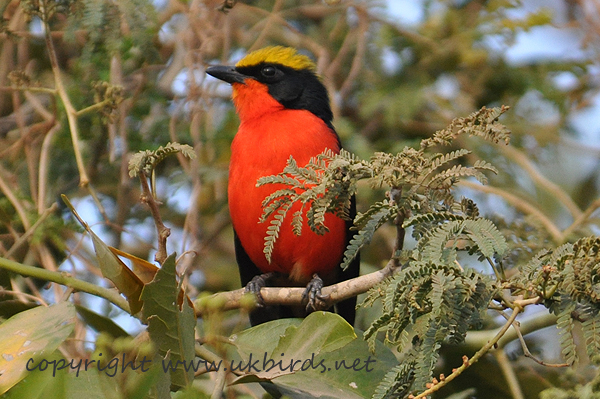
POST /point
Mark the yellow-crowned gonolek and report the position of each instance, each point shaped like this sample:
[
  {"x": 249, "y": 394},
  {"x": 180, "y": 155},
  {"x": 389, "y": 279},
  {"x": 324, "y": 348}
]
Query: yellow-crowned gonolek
[{"x": 284, "y": 111}]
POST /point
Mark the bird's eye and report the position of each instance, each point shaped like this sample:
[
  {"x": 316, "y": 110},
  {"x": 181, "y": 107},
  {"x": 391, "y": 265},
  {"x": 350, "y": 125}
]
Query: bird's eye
[{"x": 268, "y": 71}]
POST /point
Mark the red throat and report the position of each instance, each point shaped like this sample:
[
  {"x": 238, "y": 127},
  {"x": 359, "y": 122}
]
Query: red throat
[
  {"x": 268, "y": 135},
  {"x": 252, "y": 100}
]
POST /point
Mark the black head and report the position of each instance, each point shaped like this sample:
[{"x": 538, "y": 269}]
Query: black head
[{"x": 289, "y": 77}]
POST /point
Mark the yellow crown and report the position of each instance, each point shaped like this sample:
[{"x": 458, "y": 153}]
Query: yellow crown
[{"x": 285, "y": 56}]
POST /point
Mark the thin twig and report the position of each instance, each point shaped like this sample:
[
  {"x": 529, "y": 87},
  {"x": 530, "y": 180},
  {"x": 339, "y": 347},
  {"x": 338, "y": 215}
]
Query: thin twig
[
  {"x": 521, "y": 205},
  {"x": 396, "y": 196},
  {"x": 22, "y": 295},
  {"x": 526, "y": 352},
  {"x": 359, "y": 56},
  {"x": 92, "y": 108},
  {"x": 62, "y": 93},
  {"x": 29, "y": 88},
  {"x": 476, "y": 339},
  {"x": 583, "y": 217},
  {"x": 219, "y": 383},
  {"x": 162, "y": 231},
  {"x": 499, "y": 276},
  {"x": 509, "y": 374},
  {"x": 267, "y": 26},
  {"x": 23, "y": 238},
  {"x": 11, "y": 196},
  {"x": 468, "y": 362},
  {"x": 44, "y": 167},
  {"x": 554, "y": 189}
]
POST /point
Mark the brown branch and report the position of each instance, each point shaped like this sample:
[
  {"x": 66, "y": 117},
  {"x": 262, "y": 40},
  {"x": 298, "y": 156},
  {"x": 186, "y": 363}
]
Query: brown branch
[
  {"x": 526, "y": 352},
  {"x": 62, "y": 93},
  {"x": 359, "y": 56},
  {"x": 294, "y": 296},
  {"x": 162, "y": 231},
  {"x": 552, "y": 188},
  {"x": 583, "y": 218},
  {"x": 395, "y": 195}
]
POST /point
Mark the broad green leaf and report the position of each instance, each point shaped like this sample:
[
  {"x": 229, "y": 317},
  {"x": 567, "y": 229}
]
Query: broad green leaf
[
  {"x": 65, "y": 385},
  {"x": 261, "y": 336},
  {"x": 171, "y": 321},
  {"x": 31, "y": 335},
  {"x": 328, "y": 359},
  {"x": 112, "y": 267}
]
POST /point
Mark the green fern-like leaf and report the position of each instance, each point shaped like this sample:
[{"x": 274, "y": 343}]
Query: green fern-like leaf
[
  {"x": 362, "y": 218},
  {"x": 440, "y": 160},
  {"x": 448, "y": 176},
  {"x": 284, "y": 192},
  {"x": 316, "y": 219},
  {"x": 431, "y": 217},
  {"x": 486, "y": 236},
  {"x": 297, "y": 222},
  {"x": 591, "y": 335},
  {"x": 281, "y": 179},
  {"x": 567, "y": 342},
  {"x": 273, "y": 231},
  {"x": 428, "y": 355},
  {"x": 272, "y": 207},
  {"x": 366, "y": 234},
  {"x": 397, "y": 381},
  {"x": 381, "y": 321},
  {"x": 305, "y": 174},
  {"x": 433, "y": 246},
  {"x": 147, "y": 160},
  {"x": 484, "y": 165}
]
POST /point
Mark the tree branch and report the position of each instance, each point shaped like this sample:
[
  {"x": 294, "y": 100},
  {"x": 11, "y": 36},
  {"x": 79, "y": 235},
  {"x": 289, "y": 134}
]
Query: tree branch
[
  {"x": 62, "y": 93},
  {"x": 64, "y": 278},
  {"x": 293, "y": 296},
  {"x": 162, "y": 231}
]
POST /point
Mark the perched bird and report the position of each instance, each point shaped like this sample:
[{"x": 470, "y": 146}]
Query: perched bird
[{"x": 284, "y": 111}]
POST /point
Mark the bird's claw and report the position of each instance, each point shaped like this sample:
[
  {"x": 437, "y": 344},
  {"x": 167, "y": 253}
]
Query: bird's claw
[
  {"x": 254, "y": 286},
  {"x": 312, "y": 295}
]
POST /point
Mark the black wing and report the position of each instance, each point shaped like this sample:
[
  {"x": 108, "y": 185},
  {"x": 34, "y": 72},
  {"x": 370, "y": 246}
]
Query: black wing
[{"x": 347, "y": 308}]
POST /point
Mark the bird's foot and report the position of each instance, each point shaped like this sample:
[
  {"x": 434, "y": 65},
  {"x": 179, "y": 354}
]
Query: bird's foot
[
  {"x": 256, "y": 284},
  {"x": 312, "y": 295}
]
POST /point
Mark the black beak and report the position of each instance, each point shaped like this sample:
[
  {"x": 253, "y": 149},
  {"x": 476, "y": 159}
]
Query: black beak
[{"x": 226, "y": 73}]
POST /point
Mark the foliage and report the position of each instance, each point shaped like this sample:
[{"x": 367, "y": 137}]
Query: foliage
[
  {"x": 425, "y": 181},
  {"x": 88, "y": 86},
  {"x": 146, "y": 161}
]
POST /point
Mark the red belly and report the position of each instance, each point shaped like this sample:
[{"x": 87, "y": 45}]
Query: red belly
[{"x": 261, "y": 148}]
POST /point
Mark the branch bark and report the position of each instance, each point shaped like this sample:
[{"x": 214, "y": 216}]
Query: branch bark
[
  {"x": 293, "y": 296},
  {"x": 162, "y": 231}
]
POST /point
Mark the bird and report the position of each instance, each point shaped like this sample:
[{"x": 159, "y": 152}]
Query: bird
[{"x": 284, "y": 112}]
